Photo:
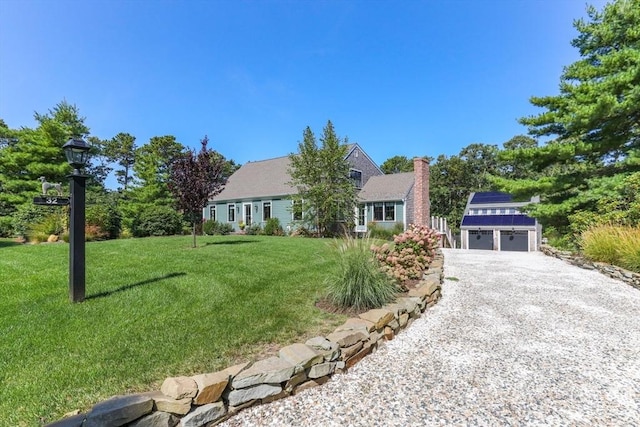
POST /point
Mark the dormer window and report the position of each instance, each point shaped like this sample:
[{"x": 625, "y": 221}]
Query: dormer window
[{"x": 356, "y": 177}]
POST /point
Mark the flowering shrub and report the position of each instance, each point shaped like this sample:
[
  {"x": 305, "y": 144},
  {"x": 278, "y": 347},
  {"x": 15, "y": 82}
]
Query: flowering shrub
[{"x": 410, "y": 255}]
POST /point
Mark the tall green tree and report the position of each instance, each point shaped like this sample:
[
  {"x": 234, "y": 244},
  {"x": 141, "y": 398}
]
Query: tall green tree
[
  {"x": 32, "y": 153},
  {"x": 229, "y": 166},
  {"x": 481, "y": 161},
  {"x": 121, "y": 150},
  {"x": 397, "y": 164},
  {"x": 454, "y": 178},
  {"x": 152, "y": 166},
  {"x": 193, "y": 179},
  {"x": 321, "y": 176},
  {"x": 305, "y": 172},
  {"x": 593, "y": 123},
  {"x": 510, "y": 165},
  {"x": 340, "y": 200},
  {"x": 449, "y": 188},
  {"x": 99, "y": 163}
]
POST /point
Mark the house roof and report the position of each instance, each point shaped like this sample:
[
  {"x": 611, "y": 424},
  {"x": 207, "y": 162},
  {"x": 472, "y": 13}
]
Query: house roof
[
  {"x": 387, "y": 187},
  {"x": 265, "y": 178}
]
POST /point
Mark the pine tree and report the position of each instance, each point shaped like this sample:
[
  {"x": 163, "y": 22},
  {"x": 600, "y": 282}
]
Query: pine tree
[
  {"x": 152, "y": 167},
  {"x": 321, "y": 176},
  {"x": 32, "y": 153},
  {"x": 594, "y": 122},
  {"x": 121, "y": 149}
]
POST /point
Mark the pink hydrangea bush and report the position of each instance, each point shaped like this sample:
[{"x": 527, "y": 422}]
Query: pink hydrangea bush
[{"x": 410, "y": 255}]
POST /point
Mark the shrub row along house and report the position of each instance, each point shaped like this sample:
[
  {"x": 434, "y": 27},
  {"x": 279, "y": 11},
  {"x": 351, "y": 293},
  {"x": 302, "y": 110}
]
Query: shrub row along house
[{"x": 262, "y": 190}]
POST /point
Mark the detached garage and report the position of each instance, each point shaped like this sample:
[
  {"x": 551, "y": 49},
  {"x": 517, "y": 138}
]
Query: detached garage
[{"x": 493, "y": 221}]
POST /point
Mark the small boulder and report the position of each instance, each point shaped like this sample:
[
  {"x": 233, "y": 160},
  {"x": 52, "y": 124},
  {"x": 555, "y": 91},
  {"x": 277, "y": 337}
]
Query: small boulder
[{"x": 179, "y": 387}]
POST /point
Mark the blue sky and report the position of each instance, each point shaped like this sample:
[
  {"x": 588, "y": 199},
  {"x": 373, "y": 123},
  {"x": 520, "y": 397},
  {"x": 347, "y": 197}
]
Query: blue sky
[{"x": 399, "y": 77}]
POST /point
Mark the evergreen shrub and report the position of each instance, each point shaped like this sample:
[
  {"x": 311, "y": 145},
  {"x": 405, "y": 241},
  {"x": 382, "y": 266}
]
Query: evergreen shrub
[
  {"x": 156, "y": 221},
  {"x": 273, "y": 227},
  {"x": 376, "y": 231},
  {"x": 214, "y": 227},
  {"x": 26, "y": 216},
  {"x": 53, "y": 223},
  {"x": 6, "y": 226},
  {"x": 105, "y": 220},
  {"x": 253, "y": 230}
]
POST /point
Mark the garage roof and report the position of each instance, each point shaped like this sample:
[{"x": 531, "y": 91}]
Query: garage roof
[{"x": 497, "y": 220}]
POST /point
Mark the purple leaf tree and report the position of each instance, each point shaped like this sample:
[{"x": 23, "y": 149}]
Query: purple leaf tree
[{"x": 194, "y": 179}]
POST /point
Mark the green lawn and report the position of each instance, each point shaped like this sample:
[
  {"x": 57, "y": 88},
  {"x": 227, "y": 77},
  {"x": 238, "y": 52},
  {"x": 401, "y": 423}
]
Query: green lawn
[{"x": 155, "y": 308}]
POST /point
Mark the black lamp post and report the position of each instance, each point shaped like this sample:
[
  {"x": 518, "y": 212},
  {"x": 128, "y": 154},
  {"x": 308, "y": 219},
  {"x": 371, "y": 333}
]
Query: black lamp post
[{"x": 77, "y": 152}]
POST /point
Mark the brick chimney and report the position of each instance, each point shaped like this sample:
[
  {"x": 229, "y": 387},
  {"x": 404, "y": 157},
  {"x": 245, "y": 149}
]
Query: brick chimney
[{"x": 421, "y": 203}]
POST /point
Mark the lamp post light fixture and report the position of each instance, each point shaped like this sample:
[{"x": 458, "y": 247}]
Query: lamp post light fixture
[{"x": 77, "y": 152}]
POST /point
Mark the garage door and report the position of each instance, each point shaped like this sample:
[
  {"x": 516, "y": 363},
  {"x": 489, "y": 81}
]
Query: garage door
[
  {"x": 481, "y": 239},
  {"x": 514, "y": 240}
]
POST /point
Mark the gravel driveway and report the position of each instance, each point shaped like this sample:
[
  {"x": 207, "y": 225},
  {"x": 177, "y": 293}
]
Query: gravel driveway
[{"x": 519, "y": 339}]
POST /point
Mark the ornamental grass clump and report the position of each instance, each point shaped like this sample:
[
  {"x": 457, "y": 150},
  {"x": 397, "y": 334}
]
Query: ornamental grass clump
[
  {"x": 410, "y": 254},
  {"x": 358, "y": 281},
  {"x": 613, "y": 244}
]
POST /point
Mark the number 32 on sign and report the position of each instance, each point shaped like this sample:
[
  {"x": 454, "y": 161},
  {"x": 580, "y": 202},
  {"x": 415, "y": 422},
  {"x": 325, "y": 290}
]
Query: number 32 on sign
[{"x": 51, "y": 200}]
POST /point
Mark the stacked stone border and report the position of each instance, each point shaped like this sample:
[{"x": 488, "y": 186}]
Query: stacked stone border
[
  {"x": 612, "y": 271},
  {"x": 208, "y": 399}
]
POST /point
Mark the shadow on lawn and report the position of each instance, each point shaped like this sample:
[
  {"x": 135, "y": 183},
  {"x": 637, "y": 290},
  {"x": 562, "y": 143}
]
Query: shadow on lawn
[
  {"x": 135, "y": 285},
  {"x": 231, "y": 242},
  {"x": 7, "y": 243}
]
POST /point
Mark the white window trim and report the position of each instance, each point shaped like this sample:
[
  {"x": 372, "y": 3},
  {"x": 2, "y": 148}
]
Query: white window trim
[
  {"x": 213, "y": 209},
  {"x": 361, "y": 175},
  {"x": 270, "y": 210},
  {"x": 373, "y": 212},
  {"x": 384, "y": 211},
  {"x": 244, "y": 213},
  {"x": 229, "y": 205},
  {"x": 293, "y": 212}
]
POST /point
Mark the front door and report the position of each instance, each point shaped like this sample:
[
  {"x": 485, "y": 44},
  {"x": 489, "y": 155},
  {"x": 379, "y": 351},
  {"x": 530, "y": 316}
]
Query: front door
[
  {"x": 247, "y": 214},
  {"x": 361, "y": 219}
]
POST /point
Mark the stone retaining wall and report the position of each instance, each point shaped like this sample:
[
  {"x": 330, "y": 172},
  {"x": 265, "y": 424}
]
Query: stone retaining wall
[
  {"x": 208, "y": 399},
  {"x": 613, "y": 271}
]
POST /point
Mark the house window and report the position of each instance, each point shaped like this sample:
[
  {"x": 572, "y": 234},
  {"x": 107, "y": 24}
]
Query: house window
[
  {"x": 212, "y": 213},
  {"x": 231, "y": 212},
  {"x": 384, "y": 211},
  {"x": 296, "y": 210},
  {"x": 378, "y": 209},
  {"x": 389, "y": 212},
  {"x": 356, "y": 177},
  {"x": 361, "y": 215},
  {"x": 266, "y": 210}
]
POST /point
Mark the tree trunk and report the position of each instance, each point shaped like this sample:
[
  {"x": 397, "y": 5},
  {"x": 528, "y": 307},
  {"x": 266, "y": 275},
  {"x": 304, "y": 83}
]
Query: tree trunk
[{"x": 193, "y": 232}]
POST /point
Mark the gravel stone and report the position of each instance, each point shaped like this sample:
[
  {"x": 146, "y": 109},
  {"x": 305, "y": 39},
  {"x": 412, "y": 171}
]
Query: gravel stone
[{"x": 519, "y": 339}]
